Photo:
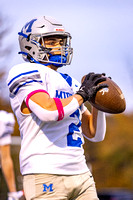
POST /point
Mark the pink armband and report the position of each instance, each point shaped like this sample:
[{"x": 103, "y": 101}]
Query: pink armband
[
  {"x": 33, "y": 92},
  {"x": 59, "y": 108}
]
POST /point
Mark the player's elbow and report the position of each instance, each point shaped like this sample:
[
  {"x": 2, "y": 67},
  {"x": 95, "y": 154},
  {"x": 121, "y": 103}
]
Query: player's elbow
[{"x": 48, "y": 116}]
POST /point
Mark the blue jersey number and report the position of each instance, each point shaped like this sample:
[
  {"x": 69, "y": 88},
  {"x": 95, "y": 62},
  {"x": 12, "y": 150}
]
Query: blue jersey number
[{"x": 72, "y": 129}]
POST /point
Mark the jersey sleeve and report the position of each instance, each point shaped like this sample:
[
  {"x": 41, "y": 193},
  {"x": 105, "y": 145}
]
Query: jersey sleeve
[{"x": 24, "y": 79}]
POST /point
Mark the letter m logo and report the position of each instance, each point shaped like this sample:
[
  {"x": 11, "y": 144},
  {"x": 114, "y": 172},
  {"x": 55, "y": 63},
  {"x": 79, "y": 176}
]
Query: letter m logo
[
  {"x": 48, "y": 188},
  {"x": 59, "y": 94}
]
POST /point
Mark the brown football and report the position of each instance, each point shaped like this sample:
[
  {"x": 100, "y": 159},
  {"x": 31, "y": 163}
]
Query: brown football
[{"x": 111, "y": 99}]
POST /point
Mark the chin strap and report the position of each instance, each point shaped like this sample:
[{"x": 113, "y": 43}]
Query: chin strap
[
  {"x": 52, "y": 58},
  {"x": 30, "y": 58},
  {"x": 58, "y": 59}
]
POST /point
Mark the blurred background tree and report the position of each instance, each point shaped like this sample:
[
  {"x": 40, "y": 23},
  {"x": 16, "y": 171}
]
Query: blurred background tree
[
  {"x": 112, "y": 159},
  {"x": 5, "y": 52}
]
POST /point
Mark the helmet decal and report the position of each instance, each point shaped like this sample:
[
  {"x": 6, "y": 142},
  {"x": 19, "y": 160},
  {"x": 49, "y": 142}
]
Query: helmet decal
[
  {"x": 59, "y": 29},
  {"x": 28, "y": 26}
]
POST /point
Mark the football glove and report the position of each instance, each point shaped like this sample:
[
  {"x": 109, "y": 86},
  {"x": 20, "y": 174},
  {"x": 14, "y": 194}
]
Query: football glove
[{"x": 90, "y": 86}]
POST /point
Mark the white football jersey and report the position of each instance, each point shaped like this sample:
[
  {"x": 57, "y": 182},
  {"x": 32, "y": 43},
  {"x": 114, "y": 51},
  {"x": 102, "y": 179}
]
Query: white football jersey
[
  {"x": 7, "y": 122},
  {"x": 47, "y": 147}
]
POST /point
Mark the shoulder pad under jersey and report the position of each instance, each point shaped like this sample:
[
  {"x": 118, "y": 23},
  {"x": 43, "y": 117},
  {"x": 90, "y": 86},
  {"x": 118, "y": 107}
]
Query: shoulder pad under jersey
[{"x": 21, "y": 75}]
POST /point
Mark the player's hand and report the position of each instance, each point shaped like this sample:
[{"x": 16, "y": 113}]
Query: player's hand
[{"x": 89, "y": 86}]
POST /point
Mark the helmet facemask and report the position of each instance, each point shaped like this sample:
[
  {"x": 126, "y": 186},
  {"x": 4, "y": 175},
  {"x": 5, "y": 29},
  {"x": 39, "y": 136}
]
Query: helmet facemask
[
  {"x": 49, "y": 53},
  {"x": 37, "y": 50}
]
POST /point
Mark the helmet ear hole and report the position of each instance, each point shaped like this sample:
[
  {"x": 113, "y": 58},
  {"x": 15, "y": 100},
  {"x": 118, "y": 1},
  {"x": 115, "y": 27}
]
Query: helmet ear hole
[
  {"x": 28, "y": 38},
  {"x": 28, "y": 48}
]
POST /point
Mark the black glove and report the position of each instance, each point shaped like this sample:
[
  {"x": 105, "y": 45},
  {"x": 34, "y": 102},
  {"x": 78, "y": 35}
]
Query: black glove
[{"x": 90, "y": 86}]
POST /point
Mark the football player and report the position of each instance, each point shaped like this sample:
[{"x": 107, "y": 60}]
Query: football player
[
  {"x": 52, "y": 118},
  {"x": 7, "y": 122}
]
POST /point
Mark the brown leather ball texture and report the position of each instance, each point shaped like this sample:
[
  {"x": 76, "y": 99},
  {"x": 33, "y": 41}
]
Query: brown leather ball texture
[{"x": 109, "y": 100}]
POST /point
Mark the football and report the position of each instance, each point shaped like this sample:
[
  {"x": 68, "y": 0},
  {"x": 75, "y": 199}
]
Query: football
[{"x": 109, "y": 100}]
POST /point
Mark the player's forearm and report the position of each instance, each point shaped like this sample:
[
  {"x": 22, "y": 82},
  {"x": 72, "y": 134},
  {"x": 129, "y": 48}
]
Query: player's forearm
[
  {"x": 66, "y": 101},
  {"x": 93, "y": 121},
  {"x": 51, "y": 104},
  {"x": 100, "y": 128},
  {"x": 55, "y": 109},
  {"x": 89, "y": 123},
  {"x": 44, "y": 100}
]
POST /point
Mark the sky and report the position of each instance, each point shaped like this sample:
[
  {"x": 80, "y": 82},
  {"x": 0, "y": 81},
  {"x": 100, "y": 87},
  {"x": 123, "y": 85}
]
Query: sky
[{"x": 102, "y": 35}]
